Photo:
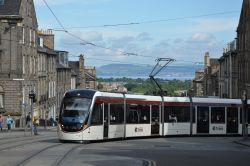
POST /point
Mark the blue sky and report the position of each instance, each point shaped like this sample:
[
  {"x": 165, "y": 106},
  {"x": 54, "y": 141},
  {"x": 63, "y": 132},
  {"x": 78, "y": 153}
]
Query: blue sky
[{"x": 185, "y": 40}]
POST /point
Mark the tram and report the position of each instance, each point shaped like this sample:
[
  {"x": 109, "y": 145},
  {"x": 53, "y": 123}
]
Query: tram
[{"x": 94, "y": 115}]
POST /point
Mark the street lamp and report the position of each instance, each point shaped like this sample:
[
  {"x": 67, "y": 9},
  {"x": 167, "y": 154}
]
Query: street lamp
[
  {"x": 32, "y": 96},
  {"x": 244, "y": 117}
]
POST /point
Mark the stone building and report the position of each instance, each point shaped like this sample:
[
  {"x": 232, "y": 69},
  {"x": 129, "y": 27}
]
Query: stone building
[
  {"x": 206, "y": 81},
  {"x": 90, "y": 74},
  {"x": 18, "y": 54},
  {"x": 228, "y": 72},
  {"x": 243, "y": 49},
  {"x": 46, "y": 93},
  {"x": 211, "y": 72},
  {"x": 86, "y": 75},
  {"x": 63, "y": 76},
  {"x": 198, "y": 82}
]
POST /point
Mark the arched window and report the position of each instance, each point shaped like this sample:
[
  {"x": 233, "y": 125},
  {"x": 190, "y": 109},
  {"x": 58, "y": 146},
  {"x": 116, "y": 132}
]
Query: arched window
[{"x": 1, "y": 96}]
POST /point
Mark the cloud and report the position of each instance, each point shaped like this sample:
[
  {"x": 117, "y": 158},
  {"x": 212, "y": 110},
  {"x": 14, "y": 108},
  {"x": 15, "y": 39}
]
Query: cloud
[
  {"x": 119, "y": 42},
  {"x": 144, "y": 37},
  {"x": 200, "y": 37},
  {"x": 191, "y": 48},
  {"x": 93, "y": 36},
  {"x": 213, "y": 25},
  {"x": 194, "y": 47}
]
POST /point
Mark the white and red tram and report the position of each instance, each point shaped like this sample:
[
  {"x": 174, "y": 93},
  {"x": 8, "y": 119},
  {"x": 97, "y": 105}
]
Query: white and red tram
[{"x": 93, "y": 115}]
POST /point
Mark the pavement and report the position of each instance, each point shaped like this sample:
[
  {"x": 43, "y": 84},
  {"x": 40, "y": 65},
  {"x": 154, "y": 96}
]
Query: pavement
[
  {"x": 242, "y": 141},
  {"x": 19, "y": 132}
]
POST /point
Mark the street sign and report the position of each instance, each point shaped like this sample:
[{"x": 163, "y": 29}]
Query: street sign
[{"x": 32, "y": 95}]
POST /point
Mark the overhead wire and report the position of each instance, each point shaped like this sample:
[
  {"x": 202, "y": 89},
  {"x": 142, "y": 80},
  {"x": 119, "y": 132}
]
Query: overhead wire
[
  {"x": 192, "y": 62},
  {"x": 85, "y": 42},
  {"x": 151, "y": 21}
]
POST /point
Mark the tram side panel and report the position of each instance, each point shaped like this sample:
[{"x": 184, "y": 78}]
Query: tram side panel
[
  {"x": 177, "y": 128},
  {"x": 114, "y": 116},
  {"x": 218, "y": 116},
  {"x": 95, "y": 131},
  {"x": 176, "y": 120},
  {"x": 217, "y": 120},
  {"x": 70, "y": 136},
  {"x": 138, "y": 120}
]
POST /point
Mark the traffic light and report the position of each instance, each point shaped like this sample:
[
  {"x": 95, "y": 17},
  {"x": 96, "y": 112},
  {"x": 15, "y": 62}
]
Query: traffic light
[
  {"x": 32, "y": 96},
  {"x": 34, "y": 99}
]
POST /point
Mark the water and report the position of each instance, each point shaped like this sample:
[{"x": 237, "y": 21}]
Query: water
[{"x": 146, "y": 77}]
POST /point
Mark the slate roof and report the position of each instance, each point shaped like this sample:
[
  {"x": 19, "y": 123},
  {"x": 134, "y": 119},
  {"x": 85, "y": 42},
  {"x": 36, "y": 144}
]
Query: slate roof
[
  {"x": 75, "y": 67},
  {"x": 60, "y": 66},
  {"x": 10, "y": 7},
  {"x": 47, "y": 50}
]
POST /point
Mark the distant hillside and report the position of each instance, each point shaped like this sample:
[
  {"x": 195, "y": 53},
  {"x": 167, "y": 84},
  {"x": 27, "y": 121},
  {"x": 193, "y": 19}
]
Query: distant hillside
[{"x": 138, "y": 71}]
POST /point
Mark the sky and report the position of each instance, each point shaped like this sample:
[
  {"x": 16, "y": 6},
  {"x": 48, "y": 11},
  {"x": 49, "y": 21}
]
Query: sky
[{"x": 144, "y": 29}]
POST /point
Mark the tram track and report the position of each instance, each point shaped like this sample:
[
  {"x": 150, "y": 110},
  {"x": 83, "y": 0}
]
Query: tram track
[
  {"x": 29, "y": 158},
  {"x": 21, "y": 143},
  {"x": 64, "y": 157},
  {"x": 19, "y": 138},
  {"x": 57, "y": 161}
]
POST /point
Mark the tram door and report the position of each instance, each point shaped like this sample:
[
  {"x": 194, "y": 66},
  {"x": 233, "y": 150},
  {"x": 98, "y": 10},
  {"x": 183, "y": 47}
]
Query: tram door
[
  {"x": 106, "y": 121},
  {"x": 203, "y": 120},
  {"x": 232, "y": 120},
  {"x": 155, "y": 120}
]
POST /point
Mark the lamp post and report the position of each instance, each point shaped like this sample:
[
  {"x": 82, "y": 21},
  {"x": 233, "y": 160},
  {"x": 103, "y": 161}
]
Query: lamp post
[
  {"x": 244, "y": 117},
  {"x": 32, "y": 96}
]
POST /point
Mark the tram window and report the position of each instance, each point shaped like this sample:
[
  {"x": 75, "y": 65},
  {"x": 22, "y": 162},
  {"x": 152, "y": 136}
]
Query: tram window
[
  {"x": 202, "y": 114},
  {"x": 218, "y": 115},
  {"x": 116, "y": 113},
  {"x": 176, "y": 114},
  {"x": 232, "y": 114},
  {"x": 97, "y": 117},
  {"x": 155, "y": 113},
  {"x": 138, "y": 114}
]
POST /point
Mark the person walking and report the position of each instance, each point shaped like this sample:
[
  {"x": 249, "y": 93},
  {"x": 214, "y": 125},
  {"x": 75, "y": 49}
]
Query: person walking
[
  {"x": 51, "y": 121},
  {"x": 28, "y": 119},
  {"x": 1, "y": 122},
  {"x": 9, "y": 122},
  {"x": 35, "y": 124}
]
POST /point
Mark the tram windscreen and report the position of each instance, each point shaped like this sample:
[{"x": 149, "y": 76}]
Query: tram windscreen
[{"x": 75, "y": 110}]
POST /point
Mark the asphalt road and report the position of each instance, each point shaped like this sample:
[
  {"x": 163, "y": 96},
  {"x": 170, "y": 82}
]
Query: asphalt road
[{"x": 45, "y": 150}]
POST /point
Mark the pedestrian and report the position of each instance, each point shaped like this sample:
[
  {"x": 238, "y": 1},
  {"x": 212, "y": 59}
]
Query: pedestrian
[
  {"x": 1, "y": 122},
  {"x": 9, "y": 122},
  {"x": 28, "y": 119},
  {"x": 35, "y": 124},
  {"x": 51, "y": 121}
]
